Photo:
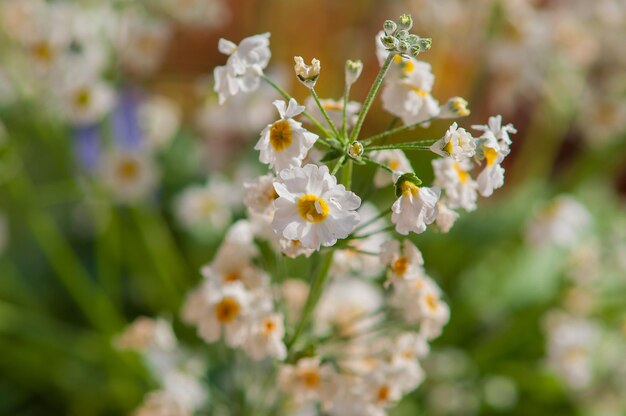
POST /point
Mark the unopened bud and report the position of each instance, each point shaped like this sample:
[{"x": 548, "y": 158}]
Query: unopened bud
[
  {"x": 454, "y": 108},
  {"x": 413, "y": 39},
  {"x": 389, "y": 27},
  {"x": 415, "y": 50},
  {"x": 389, "y": 42},
  {"x": 403, "y": 47},
  {"x": 353, "y": 71},
  {"x": 405, "y": 22},
  {"x": 355, "y": 150},
  {"x": 425, "y": 43},
  {"x": 402, "y": 34},
  {"x": 307, "y": 74}
]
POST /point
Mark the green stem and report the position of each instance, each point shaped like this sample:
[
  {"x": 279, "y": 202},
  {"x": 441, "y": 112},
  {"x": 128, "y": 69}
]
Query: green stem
[
  {"x": 338, "y": 165},
  {"x": 370, "y": 96},
  {"x": 346, "y": 177},
  {"x": 362, "y": 236},
  {"x": 373, "y": 220},
  {"x": 380, "y": 165},
  {"x": 325, "y": 114},
  {"x": 344, "y": 115},
  {"x": 397, "y": 130},
  {"x": 287, "y": 97},
  {"x": 315, "y": 292},
  {"x": 418, "y": 145}
]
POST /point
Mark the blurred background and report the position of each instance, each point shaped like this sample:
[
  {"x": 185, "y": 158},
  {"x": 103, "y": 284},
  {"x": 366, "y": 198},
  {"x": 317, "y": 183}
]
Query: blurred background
[{"x": 108, "y": 120}]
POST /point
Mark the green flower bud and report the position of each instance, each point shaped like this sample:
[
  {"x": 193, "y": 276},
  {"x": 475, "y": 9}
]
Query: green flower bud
[
  {"x": 389, "y": 42},
  {"x": 415, "y": 50},
  {"x": 405, "y": 181},
  {"x": 402, "y": 34},
  {"x": 413, "y": 39},
  {"x": 353, "y": 71},
  {"x": 390, "y": 27},
  {"x": 403, "y": 47},
  {"x": 355, "y": 150},
  {"x": 425, "y": 43},
  {"x": 405, "y": 22}
]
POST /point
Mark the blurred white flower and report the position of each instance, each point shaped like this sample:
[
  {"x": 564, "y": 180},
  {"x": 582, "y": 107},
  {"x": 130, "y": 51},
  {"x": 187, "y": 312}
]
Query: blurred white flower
[
  {"x": 395, "y": 160},
  {"x": 142, "y": 42},
  {"x": 260, "y": 196},
  {"x": 564, "y": 222},
  {"x": 445, "y": 217},
  {"x": 454, "y": 178},
  {"x": 495, "y": 130},
  {"x": 266, "y": 337},
  {"x": 207, "y": 205},
  {"x": 159, "y": 118},
  {"x": 198, "y": 13},
  {"x": 244, "y": 66},
  {"x": 404, "y": 261},
  {"x": 130, "y": 176},
  {"x": 307, "y": 380},
  {"x": 85, "y": 100},
  {"x": 312, "y": 208},
  {"x": 455, "y": 107}
]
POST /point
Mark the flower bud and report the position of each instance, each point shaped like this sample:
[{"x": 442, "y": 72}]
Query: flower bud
[
  {"x": 454, "y": 108},
  {"x": 425, "y": 43},
  {"x": 389, "y": 42},
  {"x": 389, "y": 27},
  {"x": 307, "y": 74},
  {"x": 403, "y": 47},
  {"x": 355, "y": 150},
  {"x": 353, "y": 71},
  {"x": 405, "y": 22},
  {"x": 413, "y": 39},
  {"x": 402, "y": 34}
]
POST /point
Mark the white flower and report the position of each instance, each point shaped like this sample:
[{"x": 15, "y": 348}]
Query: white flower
[
  {"x": 348, "y": 306},
  {"x": 494, "y": 129},
  {"x": 260, "y": 196},
  {"x": 142, "y": 42},
  {"x": 395, "y": 160},
  {"x": 266, "y": 338},
  {"x": 161, "y": 402},
  {"x": 130, "y": 176},
  {"x": 205, "y": 206},
  {"x": 216, "y": 309},
  {"x": 244, "y": 66},
  {"x": 408, "y": 94},
  {"x": 408, "y": 347},
  {"x": 457, "y": 144},
  {"x": 294, "y": 248},
  {"x": 454, "y": 178},
  {"x": 285, "y": 143},
  {"x": 159, "y": 118},
  {"x": 492, "y": 175},
  {"x": 445, "y": 217},
  {"x": 455, "y": 107},
  {"x": 198, "y": 13},
  {"x": 146, "y": 333},
  {"x": 334, "y": 109},
  {"x": 307, "y": 74},
  {"x": 564, "y": 222},
  {"x": 404, "y": 261},
  {"x": 353, "y": 71},
  {"x": 312, "y": 208},
  {"x": 415, "y": 207},
  {"x": 307, "y": 380},
  {"x": 85, "y": 100}
]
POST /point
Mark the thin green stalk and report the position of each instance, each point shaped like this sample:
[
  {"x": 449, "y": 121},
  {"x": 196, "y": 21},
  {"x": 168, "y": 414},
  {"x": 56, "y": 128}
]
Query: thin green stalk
[
  {"x": 346, "y": 175},
  {"x": 325, "y": 114},
  {"x": 362, "y": 236},
  {"x": 370, "y": 96},
  {"x": 397, "y": 130},
  {"x": 378, "y": 164},
  {"x": 344, "y": 115},
  {"x": 372, "y": 221},
  {"x": 287, "y": 97},
  {"x": 315, "y": 292},
  {"x": 338, "y": 165},
  {"x": 419, "y": 145}
]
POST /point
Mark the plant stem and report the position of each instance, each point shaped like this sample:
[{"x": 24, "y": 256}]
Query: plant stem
[
  {"x": 372, "y": 221},
  {"x": 419, "y": 145},
  {"x": 359, "y": 237},
  {"x": 287, "y": 97},
  {"x": 380, "y": 165},
  {"x": 315, "y": 292},
  {"x": 370, "y": 96},
  {"x": 326, "y": 116},
  {"x": 397, "y": 130},
  {"x": 338, "y": 165},
  {"x": 346, "y": 177}
]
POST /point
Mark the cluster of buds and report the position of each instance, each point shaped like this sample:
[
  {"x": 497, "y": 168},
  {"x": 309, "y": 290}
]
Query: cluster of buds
[{"x": 398, "y": 39}]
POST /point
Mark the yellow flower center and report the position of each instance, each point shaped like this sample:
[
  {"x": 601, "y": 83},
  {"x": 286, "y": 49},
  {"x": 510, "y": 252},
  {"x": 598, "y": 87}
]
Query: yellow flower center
[
  {"x": 231, "y": 277},
  {"x": 419, "y": 91},
  {"x": 227, "y": 310},
  {"x": 82, "y": 98},
  {"x": 332, "y": 106},
  {"x": 312, "y": 209},
  {"x": 269, "y": 326},
  {"x": 490, "y": 155},
  {"x": 280, "y": 135},
  {"x": 383, "y": 394},
  {"x": 400, "y": 266},
  {"x": 43, "y": 51},
  {"x": 128, "y": 170},
  {"x": 449, "y": 147},
  {"x": 431, "y": 302},
  {"x": 393, "y": 164},
  {"x": 463, "y": 175},
  {"x": 409, "y": 189},
  {"x": 310, "y": 378}
]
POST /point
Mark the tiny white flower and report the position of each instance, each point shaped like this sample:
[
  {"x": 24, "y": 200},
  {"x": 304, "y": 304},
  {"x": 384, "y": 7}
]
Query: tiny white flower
[
  {"x": 415, "y": 207},
  {"x": 142, "y": 42},
  {"x": 403, "y": 260},
  {"x": 130, "y": 176},
  {"x": 564, "y": 222},
  {"x": 266, "y": 338},
  {"x": 244, "y": 66},
  {"x": 205, "y": 206},
  {"x": 159, "y": 119},
  {"x": 492, "y": 175},
  {"x": 307, "y": 380},
  {"x": 285, "y": 143},
  {"x": 455, "y": 107},
  {"x": 454, "y": 178},
  {"x": 353, "y": 71},
  {"x": 294, "y": 248},
  {"x": 395, "y": 160},
  {"x": 494, "y": 129},
  {"x": 312, "y": 208},
  {"x": 457, "y": 144},
  {"x": 86, "y": 100},
  {"x": 307, "y": 74},
  {"x": 146, "y": 333},
  {"x": 260, "y": 195},
  {"x": 445, "y": 217}
]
